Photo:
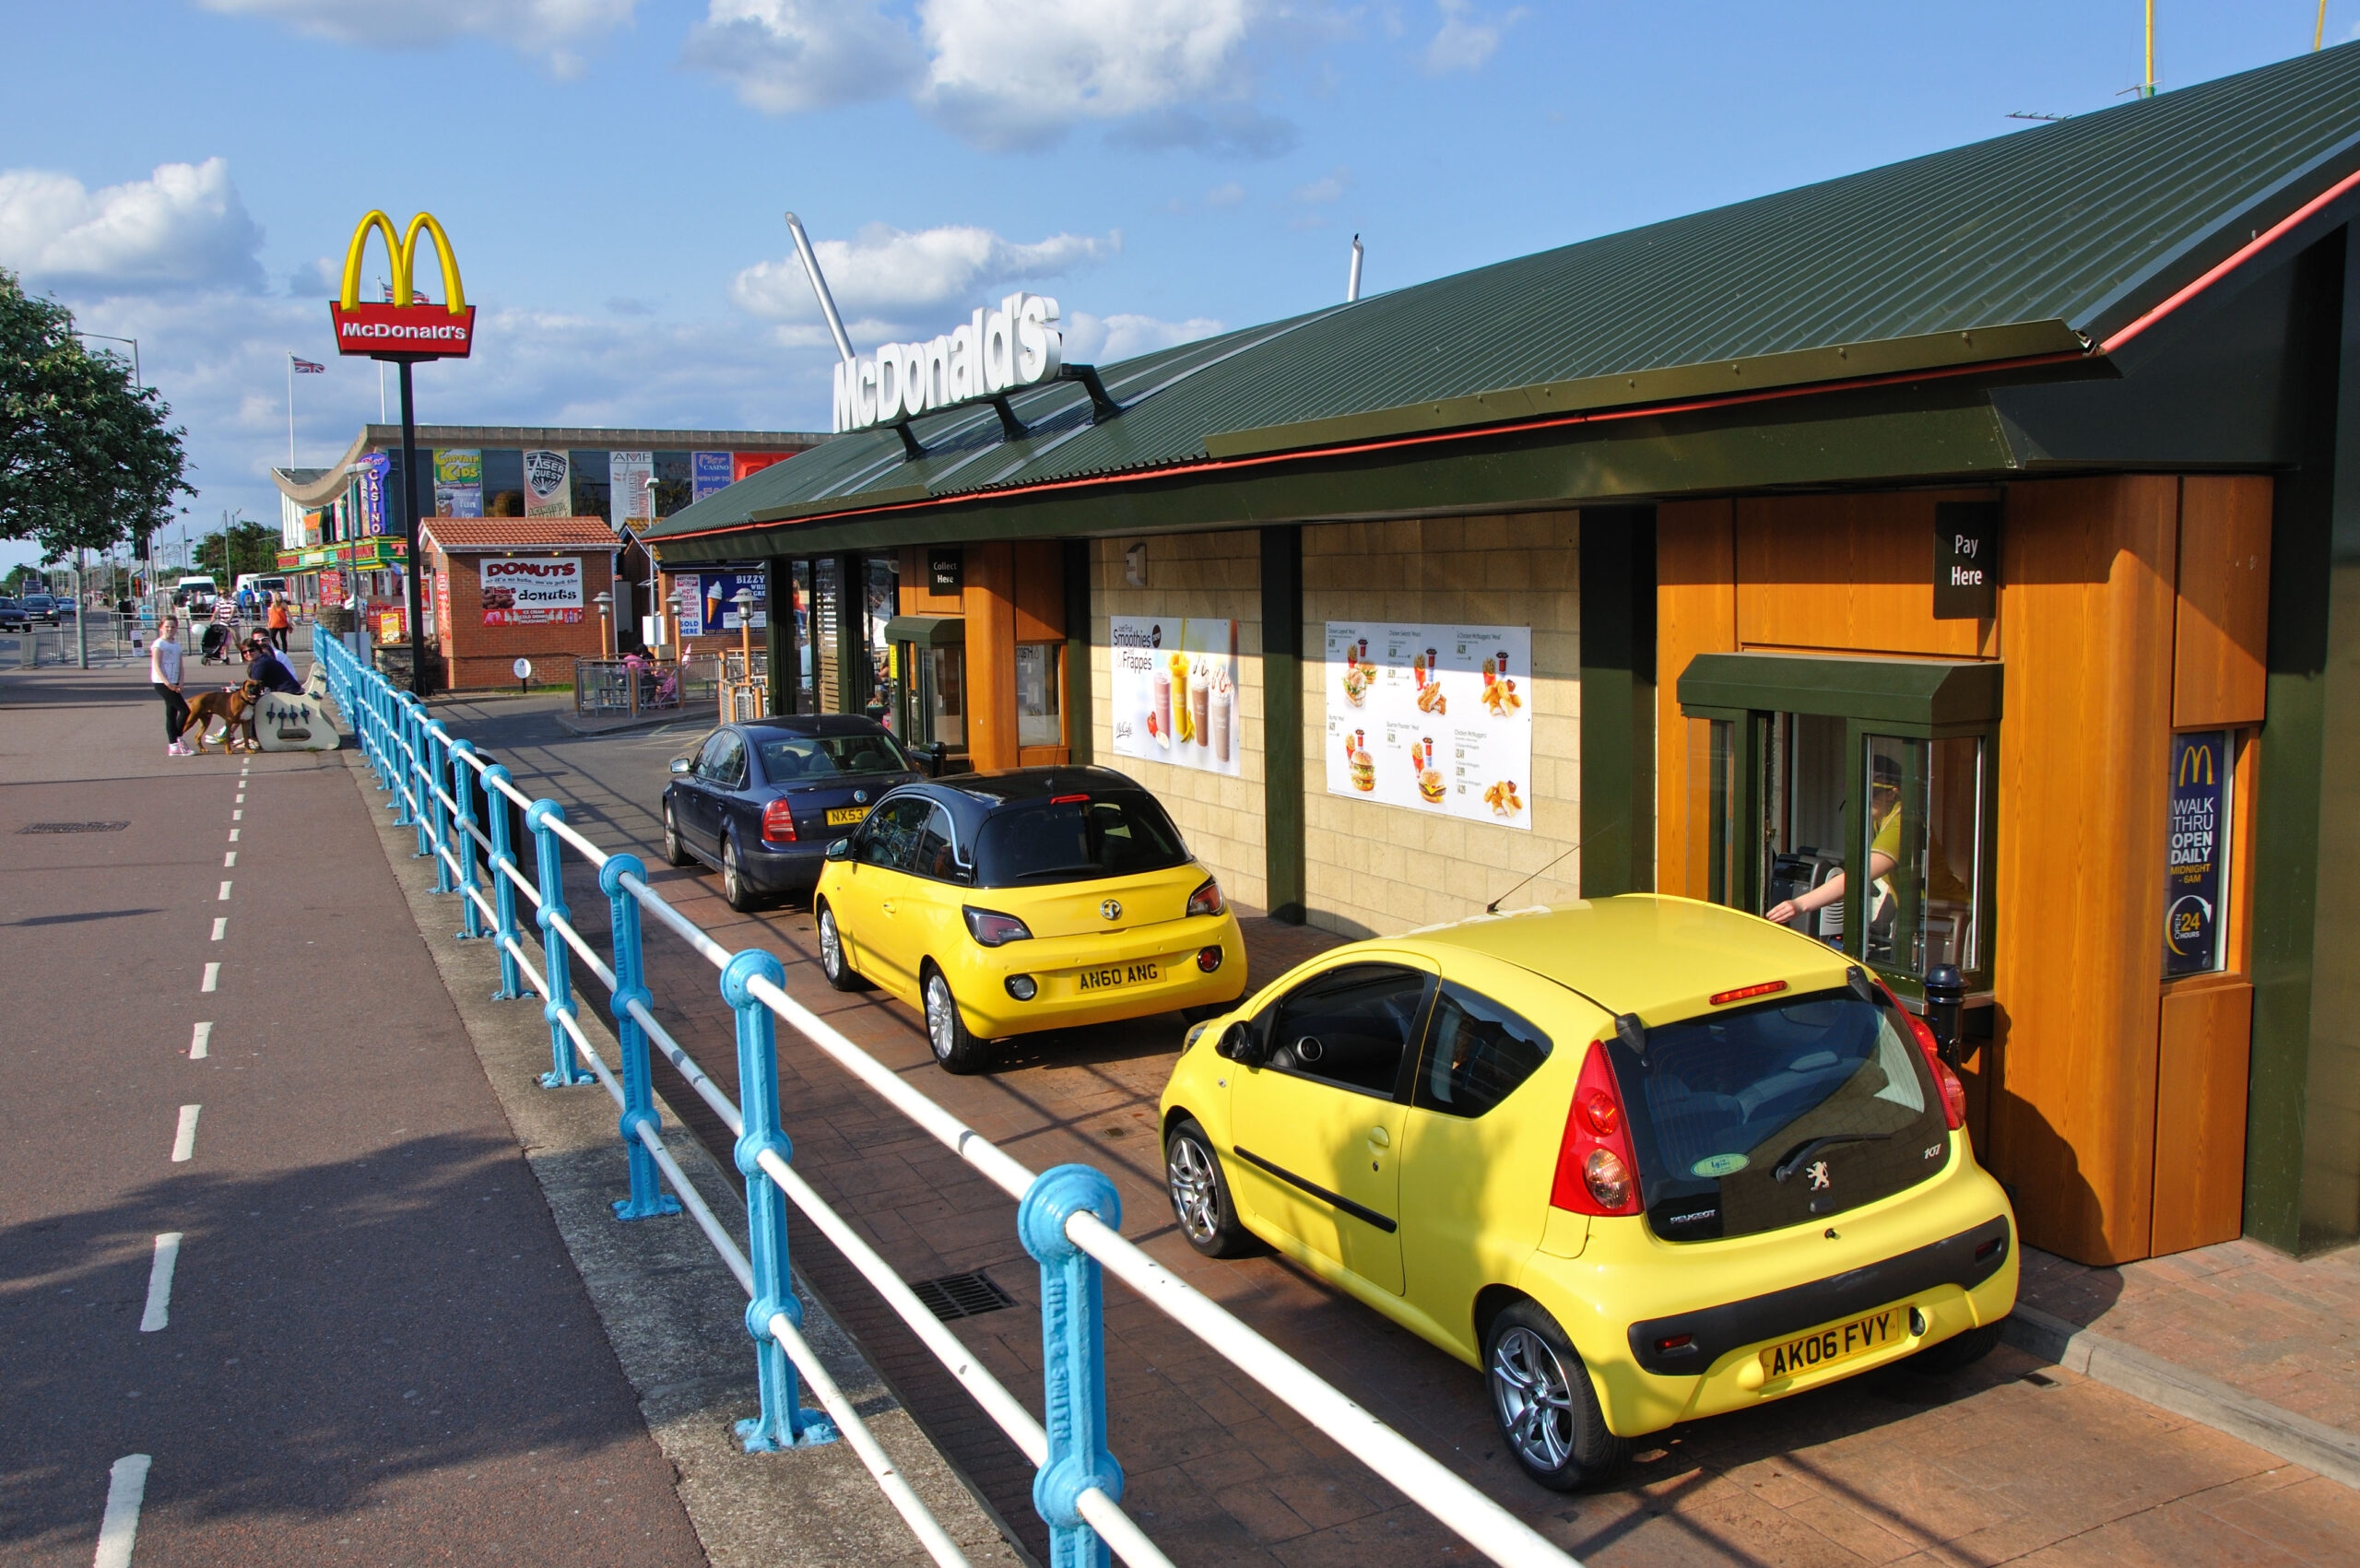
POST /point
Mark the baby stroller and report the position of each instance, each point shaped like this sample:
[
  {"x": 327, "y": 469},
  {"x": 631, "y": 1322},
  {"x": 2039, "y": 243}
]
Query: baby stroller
[{"x": 214, "y": 643}]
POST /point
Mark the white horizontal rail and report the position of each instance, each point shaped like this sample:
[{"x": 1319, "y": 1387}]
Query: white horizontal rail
[
  {"x": 566, "y": 830},
  {"x": 582, "y": 951},
  {"x": 698, "y": 1080},
  {"x": 677, "y": 924}
]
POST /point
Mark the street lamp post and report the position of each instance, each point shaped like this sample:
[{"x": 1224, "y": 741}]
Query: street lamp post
[{"x": 606, "y": 603}]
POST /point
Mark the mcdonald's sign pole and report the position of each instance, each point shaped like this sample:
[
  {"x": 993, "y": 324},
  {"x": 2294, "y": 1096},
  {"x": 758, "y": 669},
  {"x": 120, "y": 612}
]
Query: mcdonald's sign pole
[{"x": 404, "y": 330}]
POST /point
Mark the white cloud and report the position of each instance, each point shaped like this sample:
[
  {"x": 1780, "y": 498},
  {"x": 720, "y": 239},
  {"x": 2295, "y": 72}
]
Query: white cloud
[
  {"x": 1466, "y": 39},
  {"x": 892, "y": 275},
  {"x": 1106, "y": 340},
  {"x": 543, "y": 28},
  {"x": 1327, "y": 189},
  {"x": 1228, "y": 194},
  {"x": 1007, "y": 74},
  {"x": 785, "y": 56},
  {"x": 184, "y": 224}
]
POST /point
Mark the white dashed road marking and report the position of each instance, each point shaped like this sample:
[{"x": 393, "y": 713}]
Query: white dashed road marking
[
  {"x": 221, "y": 927},
  {"x": 184, "y": 1136},
  {"x": 237, "y": 816},
  {"x": 126, "y": 1489},
  {"x": 212, "y": 978},
  {"x": 228, "y": 859},
  {"x": 200, "y": 1043},
  {"x": 233, "y": 835},
  {"x": 225, "y": 892},
  {"x": 160, "y": 1282}
]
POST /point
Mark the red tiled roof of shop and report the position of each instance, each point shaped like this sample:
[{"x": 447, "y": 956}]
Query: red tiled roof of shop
[{"x": 517, "y": 533}]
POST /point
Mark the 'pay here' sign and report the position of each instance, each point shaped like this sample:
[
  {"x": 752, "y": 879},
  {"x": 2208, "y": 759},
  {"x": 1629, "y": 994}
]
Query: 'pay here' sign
[{"x": 1967, "y": 560}]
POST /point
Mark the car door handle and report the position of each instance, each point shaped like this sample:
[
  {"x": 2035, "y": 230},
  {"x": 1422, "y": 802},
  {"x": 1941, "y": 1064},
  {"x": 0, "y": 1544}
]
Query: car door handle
[
  {"x": 887, "y": 907},
  {"x": 1379, "y": 1138}
]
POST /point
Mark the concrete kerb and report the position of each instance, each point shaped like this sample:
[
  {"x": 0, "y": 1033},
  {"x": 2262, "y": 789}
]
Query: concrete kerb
[
  {"x": 2329, "y": 1451},
  {"x": 670, "y": 1308}
]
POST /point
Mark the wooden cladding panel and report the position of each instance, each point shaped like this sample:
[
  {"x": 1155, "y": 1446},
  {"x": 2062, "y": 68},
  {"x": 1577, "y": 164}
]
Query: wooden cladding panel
[
  {"x": 2201, "y": 1065},
  {"x": 2087, "y": 607},
  {"x": 1039, "y": 591},
  {"x": 1695, "y": 613},
  {"x": 1852, "y": 573},
  {"x": 2219, "y": 671},
  {"x": 990, "y": 603},
  {"x": 916, "y": 594}
]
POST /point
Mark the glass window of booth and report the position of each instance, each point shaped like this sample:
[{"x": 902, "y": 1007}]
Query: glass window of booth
[
  {"x": 1816, "y": 770},
  {"x": 883, "y": 601},
  {"x": 1039, "y": 674}
]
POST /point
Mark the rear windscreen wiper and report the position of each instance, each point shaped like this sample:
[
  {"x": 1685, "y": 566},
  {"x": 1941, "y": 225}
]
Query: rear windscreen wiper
[{"x": 1785, "y": 1168}]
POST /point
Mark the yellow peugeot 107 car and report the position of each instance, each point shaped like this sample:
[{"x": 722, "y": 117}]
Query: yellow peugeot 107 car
[
  {"x": 1640, "y": 1159},
  {"x": 1009, "y": 903}
]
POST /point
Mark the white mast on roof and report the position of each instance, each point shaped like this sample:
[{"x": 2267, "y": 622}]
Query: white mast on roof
[{"x": 819, "y": 287}]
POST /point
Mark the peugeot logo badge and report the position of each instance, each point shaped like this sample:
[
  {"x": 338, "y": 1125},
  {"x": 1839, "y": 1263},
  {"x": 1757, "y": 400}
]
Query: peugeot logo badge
[
  {"x": 1820, "y": 1179},
  {"x": 1111, "y": 909},
  {"x": 860, "y": 797}
]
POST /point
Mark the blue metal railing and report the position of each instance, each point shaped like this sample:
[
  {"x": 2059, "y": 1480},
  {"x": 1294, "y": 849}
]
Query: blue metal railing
[{"x": 1067, "y": 1218}]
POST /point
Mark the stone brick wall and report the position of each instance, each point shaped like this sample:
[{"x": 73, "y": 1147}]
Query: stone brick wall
[
  {"x": 1218, "y": 576},
  {"x": 1375, "y": 869}
]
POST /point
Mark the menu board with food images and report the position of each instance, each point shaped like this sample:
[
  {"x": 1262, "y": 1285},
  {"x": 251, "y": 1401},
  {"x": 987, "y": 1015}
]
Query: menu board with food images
[
  {"x": 1176, "y": 692},
  {"x": 1435, "y": 718}
]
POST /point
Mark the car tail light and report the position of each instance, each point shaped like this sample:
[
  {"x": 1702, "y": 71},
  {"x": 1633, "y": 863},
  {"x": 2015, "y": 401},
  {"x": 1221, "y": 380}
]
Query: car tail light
[
  {"x": 994, "y": 929},
  {"x": 1596, "y": 1172},
  {"x": 1954, "y": 1091},
  {"x": 1767, "y": 988},
  {"x": 778, "y": 822},
  {"x": 1206, "y": 899},
  {"x": 1209, "y": 959}
]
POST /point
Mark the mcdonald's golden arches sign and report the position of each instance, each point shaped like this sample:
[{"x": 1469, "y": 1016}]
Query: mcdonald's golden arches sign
[{"x": 407, "y": 327}]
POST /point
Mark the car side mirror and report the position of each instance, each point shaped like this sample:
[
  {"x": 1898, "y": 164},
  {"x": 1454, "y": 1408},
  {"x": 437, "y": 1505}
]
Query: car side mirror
[
  {"x": 840, "y": 850},
  {"x": 680, "y": 764},
  {"x": 1239, "y": 1044}
]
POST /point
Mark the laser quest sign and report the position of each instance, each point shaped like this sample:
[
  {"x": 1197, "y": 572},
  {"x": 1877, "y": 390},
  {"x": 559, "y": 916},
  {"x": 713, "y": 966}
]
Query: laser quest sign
[{"x": 407, "y": 326}]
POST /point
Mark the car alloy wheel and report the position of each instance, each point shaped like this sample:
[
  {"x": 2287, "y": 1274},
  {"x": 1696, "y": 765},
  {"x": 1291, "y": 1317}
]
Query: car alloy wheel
[
  {"x": 733, "y": 882},
  {"x": 673, "y": 854},
  {"x": 956, "y": 1050},
  {"x": 1195, "y": 1195},
  {"x": 838, "y": 973},
  {"x": 1534, "y": 1398}
]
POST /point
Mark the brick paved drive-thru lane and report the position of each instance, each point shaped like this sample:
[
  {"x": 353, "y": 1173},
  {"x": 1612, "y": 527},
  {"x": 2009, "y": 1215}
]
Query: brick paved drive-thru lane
[
  {"x": 2013, "y": 1461},
  {"x": 373, "y": 1348}
]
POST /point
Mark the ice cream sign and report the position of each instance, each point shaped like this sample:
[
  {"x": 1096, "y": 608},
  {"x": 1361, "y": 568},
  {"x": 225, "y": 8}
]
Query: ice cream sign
[
  {"x": 1433, "y": 718},
  {"x": 1176, "y": 692}
]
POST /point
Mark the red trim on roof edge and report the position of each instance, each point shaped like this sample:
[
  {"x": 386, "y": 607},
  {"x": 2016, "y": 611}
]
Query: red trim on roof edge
[
  {"x": 1262, "y": 458},
  {"x": 2236, "y": 259}
]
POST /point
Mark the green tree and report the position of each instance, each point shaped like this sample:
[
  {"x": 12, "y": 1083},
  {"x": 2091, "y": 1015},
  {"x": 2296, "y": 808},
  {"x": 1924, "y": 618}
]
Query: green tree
[
  {"x": 86, "y": 459},
  {"x": 253, "y": 548}
]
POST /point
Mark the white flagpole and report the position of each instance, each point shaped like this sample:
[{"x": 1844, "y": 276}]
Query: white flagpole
[{"x": 291, "y": 413}]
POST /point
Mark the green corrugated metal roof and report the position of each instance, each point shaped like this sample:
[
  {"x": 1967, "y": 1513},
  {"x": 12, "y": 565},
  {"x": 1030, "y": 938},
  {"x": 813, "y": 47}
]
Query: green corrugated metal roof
[{"x": 2004, "y": 249}]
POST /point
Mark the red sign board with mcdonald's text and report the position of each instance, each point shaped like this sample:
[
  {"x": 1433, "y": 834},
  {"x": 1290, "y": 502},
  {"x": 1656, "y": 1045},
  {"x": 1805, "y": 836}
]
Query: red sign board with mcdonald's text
[{"x": 408, "y": 325}]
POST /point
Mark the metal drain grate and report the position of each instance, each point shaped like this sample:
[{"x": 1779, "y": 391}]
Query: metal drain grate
[
  {"x": 961, "y": 1295},
  {"x": 73, "y": 826}
]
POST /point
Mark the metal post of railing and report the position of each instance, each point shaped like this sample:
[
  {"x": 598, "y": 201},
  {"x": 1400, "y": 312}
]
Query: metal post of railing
[
  {"x": 463, "y": 791},
  {"x": 404, "y": 721},
  {"x": 783, "y": 1423},
  {"x": 503, "y": 888},
  {"x": 647, "y": 1197},
  {"x": 564, "y": 1071},
  {"x": 437, "y": 759},
  {"x": 1073, "y": 1347}
]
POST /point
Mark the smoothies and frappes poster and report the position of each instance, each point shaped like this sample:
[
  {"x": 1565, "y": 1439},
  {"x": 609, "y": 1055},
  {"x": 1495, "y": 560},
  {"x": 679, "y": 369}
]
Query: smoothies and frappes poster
[
  {"x": 1175, "y": 691},
  {"x": 1433, "y": 718}
]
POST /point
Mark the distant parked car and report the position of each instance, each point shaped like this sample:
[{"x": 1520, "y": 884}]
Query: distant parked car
[
  {"x": 41, "y": 606},
  {"x": 14, "y": 617},
  {"x": 762, "y": 800}
]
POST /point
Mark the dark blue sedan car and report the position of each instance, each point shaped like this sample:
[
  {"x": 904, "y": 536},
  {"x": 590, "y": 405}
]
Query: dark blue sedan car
[{"x": 761, "y": 801}]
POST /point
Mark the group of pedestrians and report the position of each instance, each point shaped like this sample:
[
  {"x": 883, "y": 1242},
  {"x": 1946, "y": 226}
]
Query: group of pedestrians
[{"x": 268, "y": 669}]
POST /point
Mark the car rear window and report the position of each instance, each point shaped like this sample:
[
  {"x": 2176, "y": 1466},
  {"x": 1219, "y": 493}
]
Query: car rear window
[
  {"x": 1756, "y": 1118},
  {"x": 1069, "y": 838},
  {"x": 793, "y": 759}
]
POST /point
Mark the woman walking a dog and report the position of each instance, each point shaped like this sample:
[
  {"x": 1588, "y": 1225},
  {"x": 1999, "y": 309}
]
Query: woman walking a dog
[{"x": 164, "y": 670}]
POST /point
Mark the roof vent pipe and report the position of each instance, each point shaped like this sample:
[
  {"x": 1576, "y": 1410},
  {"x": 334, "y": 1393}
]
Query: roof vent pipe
[
  {"x": 827, "y": 300},
  {"x": 1351, "y": 284}
]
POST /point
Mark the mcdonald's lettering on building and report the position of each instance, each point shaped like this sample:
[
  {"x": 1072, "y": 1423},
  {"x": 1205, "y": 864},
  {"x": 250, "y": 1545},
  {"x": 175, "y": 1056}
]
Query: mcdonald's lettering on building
[{"x": 406, "y": 326}]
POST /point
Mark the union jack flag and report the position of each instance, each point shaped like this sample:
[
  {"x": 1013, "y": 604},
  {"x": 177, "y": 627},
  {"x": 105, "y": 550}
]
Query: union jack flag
[{"x": 306, "y": 367}]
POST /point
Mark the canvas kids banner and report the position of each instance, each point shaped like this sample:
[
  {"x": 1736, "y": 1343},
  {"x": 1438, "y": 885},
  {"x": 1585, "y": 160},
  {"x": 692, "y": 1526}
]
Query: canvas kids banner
[
  {"x": 548, "y": 485},
  {"x": 458, "y": 481},
  {"x": 1176, "y": 692},
  {"x": 1432, "y": 718},
  {"x": 531, "y": 590}
]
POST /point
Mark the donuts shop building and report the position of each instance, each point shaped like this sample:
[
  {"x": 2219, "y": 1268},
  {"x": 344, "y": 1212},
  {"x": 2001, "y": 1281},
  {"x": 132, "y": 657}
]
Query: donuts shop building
[{"x": 1988, "y": 524}]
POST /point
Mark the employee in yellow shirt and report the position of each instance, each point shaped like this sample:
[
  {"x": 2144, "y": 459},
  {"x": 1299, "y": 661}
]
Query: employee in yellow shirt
[{"x": 1885, "y": 848}]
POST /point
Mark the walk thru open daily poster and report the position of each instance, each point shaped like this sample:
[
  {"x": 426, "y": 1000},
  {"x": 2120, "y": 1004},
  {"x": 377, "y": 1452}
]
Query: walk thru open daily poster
[
  {"x": 1433, "y": 718},
  {"x": 1176, "y": 692}
]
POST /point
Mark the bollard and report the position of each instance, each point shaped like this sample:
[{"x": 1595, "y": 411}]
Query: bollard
[
  {"x": 504, "y": 890},
  {"x": 462, "y": 790},
  {"x": 1073, "y": 1348},
  {"x": 783, "y": 1423},
  {"x": 647, "y": 1197},
  {"x": 564, "y": 1071},
  {"x": 437, "y": 766}
]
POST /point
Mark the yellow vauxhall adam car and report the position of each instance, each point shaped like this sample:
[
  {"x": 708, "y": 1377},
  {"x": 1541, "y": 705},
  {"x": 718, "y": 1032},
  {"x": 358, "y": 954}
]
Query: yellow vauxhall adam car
[
  {"x": 1640, "y": 1159},
  {"x": 1011, "y": 902}
]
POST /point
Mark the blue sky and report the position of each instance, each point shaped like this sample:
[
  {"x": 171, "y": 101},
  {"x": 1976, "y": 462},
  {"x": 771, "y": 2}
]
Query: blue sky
[{"x": 612, "y": 172}]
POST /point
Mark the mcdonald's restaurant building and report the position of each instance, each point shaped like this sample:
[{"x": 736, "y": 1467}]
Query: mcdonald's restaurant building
[{"x": 1988, "y": 522}]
